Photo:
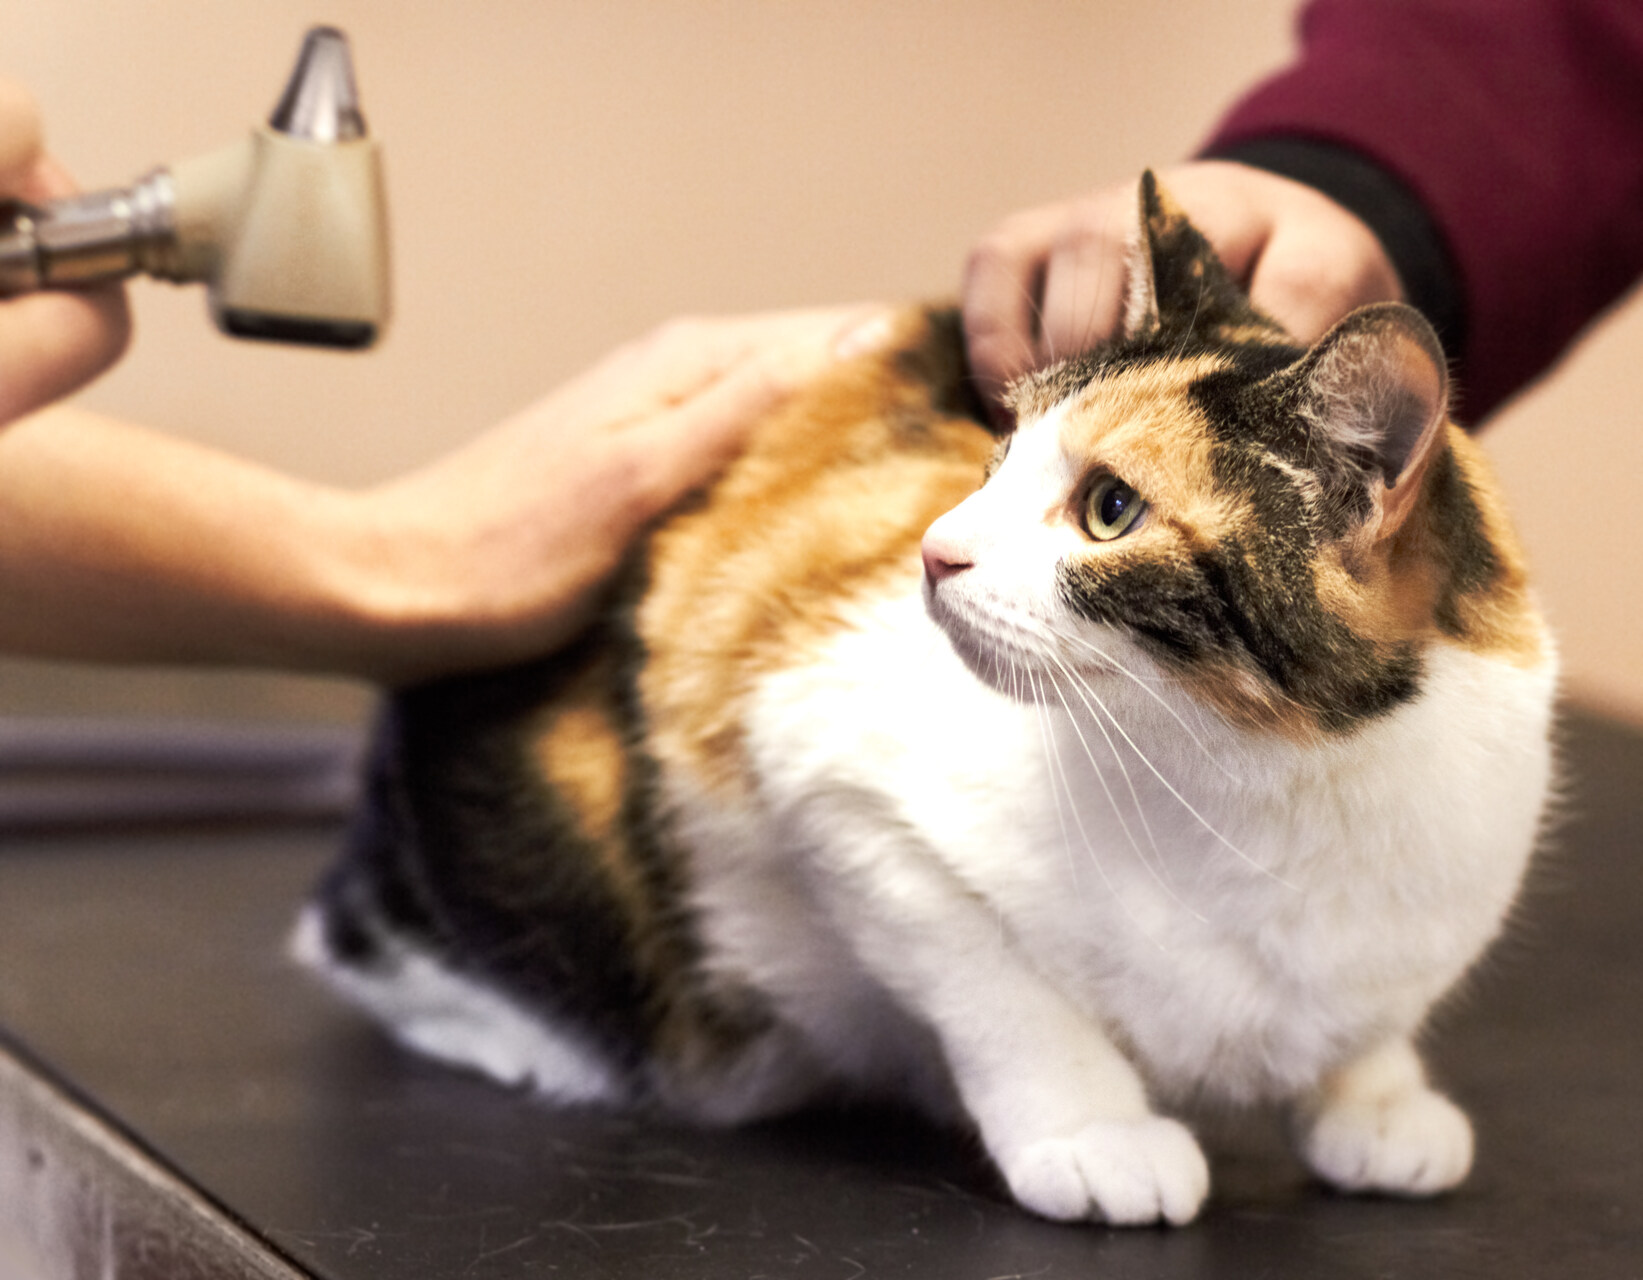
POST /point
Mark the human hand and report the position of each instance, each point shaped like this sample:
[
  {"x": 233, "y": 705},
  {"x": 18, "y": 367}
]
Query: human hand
[
  {"x": 1050, "y": 282},
  {"x": 53, "y": 341},
  {"x": 500, "y": 550}
]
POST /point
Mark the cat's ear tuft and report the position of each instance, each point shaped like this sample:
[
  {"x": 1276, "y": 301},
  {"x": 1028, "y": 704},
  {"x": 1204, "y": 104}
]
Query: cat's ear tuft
[
  {"x": 1141, "y": 300},
  {"x": 1177, "y": 285},
  {"x": 1377, "y": 385}
]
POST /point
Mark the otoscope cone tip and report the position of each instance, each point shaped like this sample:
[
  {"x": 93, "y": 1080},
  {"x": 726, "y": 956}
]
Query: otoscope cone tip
[{"x": 320, "y": 102}]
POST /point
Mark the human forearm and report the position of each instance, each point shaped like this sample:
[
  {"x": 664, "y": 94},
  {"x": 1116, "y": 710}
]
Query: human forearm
[{"x": 120, "y": 544}]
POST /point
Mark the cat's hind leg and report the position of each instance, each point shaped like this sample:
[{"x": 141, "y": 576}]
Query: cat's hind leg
[
  {"x": 430, "y": 1007},
  {"x": 1377, "y": 1125}
]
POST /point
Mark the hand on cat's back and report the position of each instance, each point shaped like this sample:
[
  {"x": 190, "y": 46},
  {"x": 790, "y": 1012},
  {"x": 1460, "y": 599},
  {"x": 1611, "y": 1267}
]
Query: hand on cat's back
[
  {"x": 501, "y": 550},
  {"x": 1049, "y": 282}
]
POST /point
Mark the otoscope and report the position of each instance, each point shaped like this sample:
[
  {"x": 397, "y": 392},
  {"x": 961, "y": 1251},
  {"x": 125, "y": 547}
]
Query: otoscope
[{"x": 288, "y": 228}]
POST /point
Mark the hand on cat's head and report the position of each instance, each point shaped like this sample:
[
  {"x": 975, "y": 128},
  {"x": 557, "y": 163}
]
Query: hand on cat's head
[
  {"x": 1050, "y": 282},
  {"x": 52, "y": 342}
]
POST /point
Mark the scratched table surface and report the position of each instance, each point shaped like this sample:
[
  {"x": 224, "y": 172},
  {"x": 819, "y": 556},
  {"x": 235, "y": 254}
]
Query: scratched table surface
[{"x": 143, "y": 972}]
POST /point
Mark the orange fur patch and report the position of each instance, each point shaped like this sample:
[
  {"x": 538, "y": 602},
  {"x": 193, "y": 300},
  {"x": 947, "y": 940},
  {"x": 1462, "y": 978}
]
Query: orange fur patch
[
  {"x": 829, "y": 503},
  {"x": 583, "y": 757},
  {"x": 1144, "y": 428},
  {"x": 1503, "y": 620}
]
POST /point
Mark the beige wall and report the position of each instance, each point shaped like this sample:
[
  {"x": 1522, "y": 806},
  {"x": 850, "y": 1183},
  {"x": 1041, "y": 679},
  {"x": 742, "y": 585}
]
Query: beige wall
[{"x": 565, "y": 174}]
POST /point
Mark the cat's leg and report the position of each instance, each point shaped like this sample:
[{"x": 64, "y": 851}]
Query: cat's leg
[
  {"x": 1377, "y": 1125},
  {"x": 1061, "y": 1111}
]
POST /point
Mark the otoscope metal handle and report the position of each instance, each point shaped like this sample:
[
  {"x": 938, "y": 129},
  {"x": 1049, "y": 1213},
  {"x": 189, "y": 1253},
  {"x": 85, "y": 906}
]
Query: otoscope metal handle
[{"x": 101, "y": 235}]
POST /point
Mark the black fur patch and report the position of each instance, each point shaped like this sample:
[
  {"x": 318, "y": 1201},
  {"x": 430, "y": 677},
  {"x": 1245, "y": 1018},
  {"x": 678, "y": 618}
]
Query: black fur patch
[
  {"x": 1469, "y": 563},
  {"x": 939, "y": 363},
  {"x": 518, "y": 891},
  {"x": 463, "y": 847},
  {"x": 1249, "y": 607}
]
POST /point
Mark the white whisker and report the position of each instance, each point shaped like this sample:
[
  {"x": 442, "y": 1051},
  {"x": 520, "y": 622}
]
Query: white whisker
[
  {"x": 1152, "y": 693},
  {"x": 1154, "y": 866},
  {"x": 1197, "y": 307},
  {"x": 1187, "y": 804},
  {"x": 1100, "y": 776},
  {"x": 1053, "y": 756}
]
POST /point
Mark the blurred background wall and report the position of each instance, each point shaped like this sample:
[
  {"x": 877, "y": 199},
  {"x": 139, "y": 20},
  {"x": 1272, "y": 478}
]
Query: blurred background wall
[{"x": 565, "y": 174}]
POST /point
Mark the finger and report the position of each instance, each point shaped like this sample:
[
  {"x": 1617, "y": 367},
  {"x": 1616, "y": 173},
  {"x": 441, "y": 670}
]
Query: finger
[
  {"x": 683, "y": 448},
  {"x": 685, "y": 355},
  {"x": 1308, "y": 278},
  {"x": 1085, "y": 283},
  {"x": 20, "y": 135},
  {"x": 1003, "y": 283},
  {"x": 51, "y": 343},
  {"x": 798, "y": 325},
  {"x": 47, "y": 180},
  {"x": 1213, "y": 196},
  {"x": 1303, "y": 259}
]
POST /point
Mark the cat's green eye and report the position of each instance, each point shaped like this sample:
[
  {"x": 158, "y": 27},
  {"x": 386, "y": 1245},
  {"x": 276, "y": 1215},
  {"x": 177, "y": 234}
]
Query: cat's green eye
[{"x": 1111, "y": 509}]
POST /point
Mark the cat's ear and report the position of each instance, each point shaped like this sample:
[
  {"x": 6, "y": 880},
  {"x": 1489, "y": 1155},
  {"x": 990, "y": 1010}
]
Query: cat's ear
[
  {"x": 1377, "y": 385},
  {"x": 1177, "y": 285}
]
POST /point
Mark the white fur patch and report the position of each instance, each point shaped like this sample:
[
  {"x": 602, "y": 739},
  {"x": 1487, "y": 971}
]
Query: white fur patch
[
  {"x": 1113, "y": 893},
  {"x": 452, "y": 1018}
]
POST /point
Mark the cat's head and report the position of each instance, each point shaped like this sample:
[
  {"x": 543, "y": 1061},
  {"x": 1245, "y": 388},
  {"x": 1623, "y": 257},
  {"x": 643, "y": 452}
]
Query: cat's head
[{"x": 1280, "y": 529}]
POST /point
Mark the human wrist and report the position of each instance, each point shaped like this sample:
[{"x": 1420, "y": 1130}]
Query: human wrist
[{"x": 390, "y": 609}]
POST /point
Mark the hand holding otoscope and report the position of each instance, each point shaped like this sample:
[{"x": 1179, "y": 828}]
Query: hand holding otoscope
[{"x": 287, "y": 228}]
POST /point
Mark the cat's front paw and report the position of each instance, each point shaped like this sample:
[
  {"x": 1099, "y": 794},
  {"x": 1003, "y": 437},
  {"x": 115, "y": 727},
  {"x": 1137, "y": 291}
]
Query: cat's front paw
[
  {"x": 1416, "y": 1143},
  {"x": 1123, "y": 1172}
]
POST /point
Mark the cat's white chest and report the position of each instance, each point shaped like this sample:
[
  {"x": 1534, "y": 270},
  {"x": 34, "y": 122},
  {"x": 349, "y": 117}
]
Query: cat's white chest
[{"x": 1236, "y": 924}]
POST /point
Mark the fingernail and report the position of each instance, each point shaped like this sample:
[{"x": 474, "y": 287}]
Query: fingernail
[{"x": 864, "y": 336}]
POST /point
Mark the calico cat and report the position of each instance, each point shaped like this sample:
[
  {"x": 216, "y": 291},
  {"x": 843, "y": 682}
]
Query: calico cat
[{"x": 1202, "y": 754}]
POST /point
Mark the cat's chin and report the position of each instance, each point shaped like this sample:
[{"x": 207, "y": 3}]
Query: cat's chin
[
  {"x": 1021, "y": 662},
  {"x": 1002, "y": 666}
]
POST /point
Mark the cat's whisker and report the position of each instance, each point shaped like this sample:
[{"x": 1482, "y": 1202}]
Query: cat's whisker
[
  {"x": 1100, "y": 776},
  {"x": 1197, "y": 309},
  {"x": 1186, "y": 804},
  {"x": 1052, "y": 753},
  {"x": 1155, "y": 864},
  {"x": 1146, "y": 687},
  {"x": 1144, "y": 681},
  {"x": 1059, "y": 789},
  {"x": 1089, "y": 336},
  {"x": 1035, "y": 308}
]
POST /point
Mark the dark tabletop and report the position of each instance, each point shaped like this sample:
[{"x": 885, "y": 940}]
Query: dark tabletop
[{"x": 143, "y": 986}]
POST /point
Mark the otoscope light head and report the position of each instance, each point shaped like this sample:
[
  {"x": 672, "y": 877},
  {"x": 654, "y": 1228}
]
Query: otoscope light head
[
  {"x": 306, "y": 258},
  {"x": 320, "y": 102}
]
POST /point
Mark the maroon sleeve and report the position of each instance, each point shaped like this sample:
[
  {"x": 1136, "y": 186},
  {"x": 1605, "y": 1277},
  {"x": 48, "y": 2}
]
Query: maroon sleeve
[{"x": 1518, "y": 124}]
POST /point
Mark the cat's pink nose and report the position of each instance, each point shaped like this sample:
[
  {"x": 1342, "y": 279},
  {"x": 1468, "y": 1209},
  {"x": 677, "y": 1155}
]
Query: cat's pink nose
[{"x": 941, "y": 561}]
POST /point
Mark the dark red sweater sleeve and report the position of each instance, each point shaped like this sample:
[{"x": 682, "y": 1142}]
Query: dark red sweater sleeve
[{"x": 1517, "y": 125}]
